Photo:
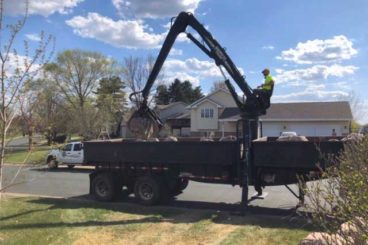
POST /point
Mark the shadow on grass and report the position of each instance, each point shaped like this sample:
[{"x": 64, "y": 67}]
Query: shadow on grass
[{"x": 178, "y": 212}]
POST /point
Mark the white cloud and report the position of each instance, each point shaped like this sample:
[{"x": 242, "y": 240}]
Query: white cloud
[
  {"x": 342, "y": 85},
  {"x": 121, "y": 33},
  {"x": 269, "y": 47},
  {"x": 33, "y": 37},
  {"x": 192, "y": 69},
  {"x": 16, "y": 62},
  {"x": 321, "y": 51},
  {"x": 154, "y": 8},
  {"x": 41, "y": 7},
  {"x": 314, "y": 73},
  {"x": 174, "y": 52},
  {"x": 311, "y": 93}
]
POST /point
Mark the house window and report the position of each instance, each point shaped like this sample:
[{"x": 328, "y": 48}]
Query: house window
[{"x": 207, "y": 113}]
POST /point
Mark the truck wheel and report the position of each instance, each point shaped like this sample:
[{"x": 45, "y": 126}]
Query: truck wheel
[
  {"x": 52, "y": 163},
  {"x": 180, "y": 185},
  {"x": 103, "y": 187},
  {"x": 150, "y": 190}
]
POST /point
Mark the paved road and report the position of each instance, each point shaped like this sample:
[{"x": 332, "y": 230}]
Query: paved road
[{"x": 75, "y": 183}]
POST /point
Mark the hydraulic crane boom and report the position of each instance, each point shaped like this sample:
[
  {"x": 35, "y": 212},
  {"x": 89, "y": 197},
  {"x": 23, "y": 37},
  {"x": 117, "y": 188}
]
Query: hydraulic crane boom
[{"x": 144, "y": 122}]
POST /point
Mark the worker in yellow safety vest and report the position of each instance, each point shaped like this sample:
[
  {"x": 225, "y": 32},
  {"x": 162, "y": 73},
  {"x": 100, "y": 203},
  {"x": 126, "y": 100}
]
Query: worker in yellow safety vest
[{"x": 265, "y": 90}]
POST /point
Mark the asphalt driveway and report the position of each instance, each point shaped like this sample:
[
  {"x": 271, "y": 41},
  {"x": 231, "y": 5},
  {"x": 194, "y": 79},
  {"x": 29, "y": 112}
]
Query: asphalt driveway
[{"x": 67, "y": 183}]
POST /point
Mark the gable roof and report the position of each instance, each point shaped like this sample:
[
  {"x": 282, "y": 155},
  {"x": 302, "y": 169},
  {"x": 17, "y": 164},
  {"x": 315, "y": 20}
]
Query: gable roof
[
  {"x": 163, "y": 107},
  {"x": 208, "y": 100},
  {"x": 306, "y": 111},
  {"x": 197, "y": 102}
]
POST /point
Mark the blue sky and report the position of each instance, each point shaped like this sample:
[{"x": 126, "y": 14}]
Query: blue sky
[{"x": 316, "y": 49}]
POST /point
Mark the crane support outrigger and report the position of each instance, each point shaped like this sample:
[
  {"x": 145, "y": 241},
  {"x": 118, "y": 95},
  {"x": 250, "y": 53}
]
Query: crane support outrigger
[{"x": 145, "y": 122}]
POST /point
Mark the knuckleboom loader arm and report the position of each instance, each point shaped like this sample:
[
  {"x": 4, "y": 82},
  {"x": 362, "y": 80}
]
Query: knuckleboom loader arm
[{"x": 145, "y": 123}]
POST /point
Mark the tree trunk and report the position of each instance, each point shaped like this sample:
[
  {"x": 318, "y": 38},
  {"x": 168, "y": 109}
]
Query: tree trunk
[
  {"x": 30, "y": 139},
  {"x": 2, "y": 157},
  {"x": 49, "y": 137}
]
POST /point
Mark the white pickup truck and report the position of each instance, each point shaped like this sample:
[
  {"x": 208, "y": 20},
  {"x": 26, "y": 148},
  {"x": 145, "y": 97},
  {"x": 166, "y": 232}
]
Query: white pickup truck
[{"x": 70, "y": 154}]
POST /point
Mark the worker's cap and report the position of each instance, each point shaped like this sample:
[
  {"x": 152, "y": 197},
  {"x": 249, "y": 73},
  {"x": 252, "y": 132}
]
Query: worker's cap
[{"x": 266, "y": 71}]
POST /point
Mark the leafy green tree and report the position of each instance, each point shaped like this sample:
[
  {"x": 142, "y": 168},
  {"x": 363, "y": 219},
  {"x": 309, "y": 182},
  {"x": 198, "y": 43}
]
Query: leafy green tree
[
  {"x": 111, "y": 100},
  {"x": 77, "y": 73},
  {"x": 49, "y": 108}
]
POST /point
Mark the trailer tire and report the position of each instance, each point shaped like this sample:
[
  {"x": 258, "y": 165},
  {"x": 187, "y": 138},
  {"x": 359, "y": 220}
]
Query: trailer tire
[
  {"x": 52, "y": 163},
  {"x": 104, "y": 187},
  {"x": 71, "y": 166},
  {"x": 150, "y": 190},
  {"x": 181, "y": 184}
]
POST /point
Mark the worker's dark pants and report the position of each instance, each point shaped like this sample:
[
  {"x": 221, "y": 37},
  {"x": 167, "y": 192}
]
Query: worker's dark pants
[{"x": 263, "y": 97}]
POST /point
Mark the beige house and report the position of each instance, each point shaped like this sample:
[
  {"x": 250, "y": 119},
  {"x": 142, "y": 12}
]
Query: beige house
[
  {"x": 205, "y": 113},
  {"x": 176, "y": 118},
  {"x": 313, "y": 119},
  {"x": 216, "y": 115}
]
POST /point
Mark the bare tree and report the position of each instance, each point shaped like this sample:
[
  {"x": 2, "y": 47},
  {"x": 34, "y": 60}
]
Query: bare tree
[
  {"x": 218, "y": 85},
  {"x": 136, "y": 71},
  {"x": 28, "y": 102},
  {"x": 15, "y": 69},
  {"x": 357, "y": 107}
]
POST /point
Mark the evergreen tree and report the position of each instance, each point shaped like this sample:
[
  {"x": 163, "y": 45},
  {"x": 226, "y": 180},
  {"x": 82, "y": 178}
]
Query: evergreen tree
[
  {"x": 162, "y": 96},
  {"x": 177, "y": 91},
  {"x": 111, "y": 99}
]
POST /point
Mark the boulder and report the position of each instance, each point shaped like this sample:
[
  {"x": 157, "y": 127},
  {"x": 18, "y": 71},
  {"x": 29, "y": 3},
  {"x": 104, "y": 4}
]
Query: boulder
[
  {"x": 205, "y": 139},
  {"x": 153, "y": 140},
  {"x": 292, "y": 138},
  {"x": 170, "y": 138},
  {"x": 262, "y": 139},
  {"x": 228, "y": 138},
  {"x": 322, "y": 238},
  {"x": 353, "y": 137}
]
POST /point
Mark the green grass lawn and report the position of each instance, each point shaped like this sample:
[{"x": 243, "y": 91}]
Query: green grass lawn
[
  {"x": 37, "y": 156},
  {"x": 56, "y": 221}
]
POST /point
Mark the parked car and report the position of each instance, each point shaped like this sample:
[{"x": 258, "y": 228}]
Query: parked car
[
  {"x": 70, "y": 154},
  {"x": 289, "y": 133}
]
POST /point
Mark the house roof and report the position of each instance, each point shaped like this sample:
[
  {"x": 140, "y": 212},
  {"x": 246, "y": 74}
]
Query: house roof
[
  {"x": 306, "y": 111},
  {"x": 206, "y": 100},
  {"x": 185, "y": 115},
  {"x": 197, "y": 102},
  {"x": 163, "y": 107}
]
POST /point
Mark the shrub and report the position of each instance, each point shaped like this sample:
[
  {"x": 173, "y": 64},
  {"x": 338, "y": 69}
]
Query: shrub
[{"x": 339, "y": 202}]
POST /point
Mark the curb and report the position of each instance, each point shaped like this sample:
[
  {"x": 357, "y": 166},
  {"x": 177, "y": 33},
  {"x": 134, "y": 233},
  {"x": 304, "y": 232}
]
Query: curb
[{"x": 15, "y": 194}]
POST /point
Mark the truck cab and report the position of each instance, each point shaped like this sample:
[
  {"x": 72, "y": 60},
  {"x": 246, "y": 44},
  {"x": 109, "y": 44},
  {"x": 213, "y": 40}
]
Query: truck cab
[{"x": 70, "y": 154}]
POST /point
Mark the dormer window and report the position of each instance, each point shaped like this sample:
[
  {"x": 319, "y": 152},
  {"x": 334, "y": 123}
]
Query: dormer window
[{"x": 207, "y": 113}]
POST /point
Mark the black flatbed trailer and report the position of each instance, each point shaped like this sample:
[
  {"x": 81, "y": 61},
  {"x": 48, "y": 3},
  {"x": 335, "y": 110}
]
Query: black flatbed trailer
[{"x": 154, "y": 171}]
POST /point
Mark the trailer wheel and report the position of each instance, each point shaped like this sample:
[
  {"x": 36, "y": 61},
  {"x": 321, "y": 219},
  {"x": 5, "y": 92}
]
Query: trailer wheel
[
  {"x": 103, "y": 187},
  {"x": 52, "y": 163},
  {"x": 181, "y": 184},
  {"x": 150, "y": 190},
  {"x": 71, "y": 166}
]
